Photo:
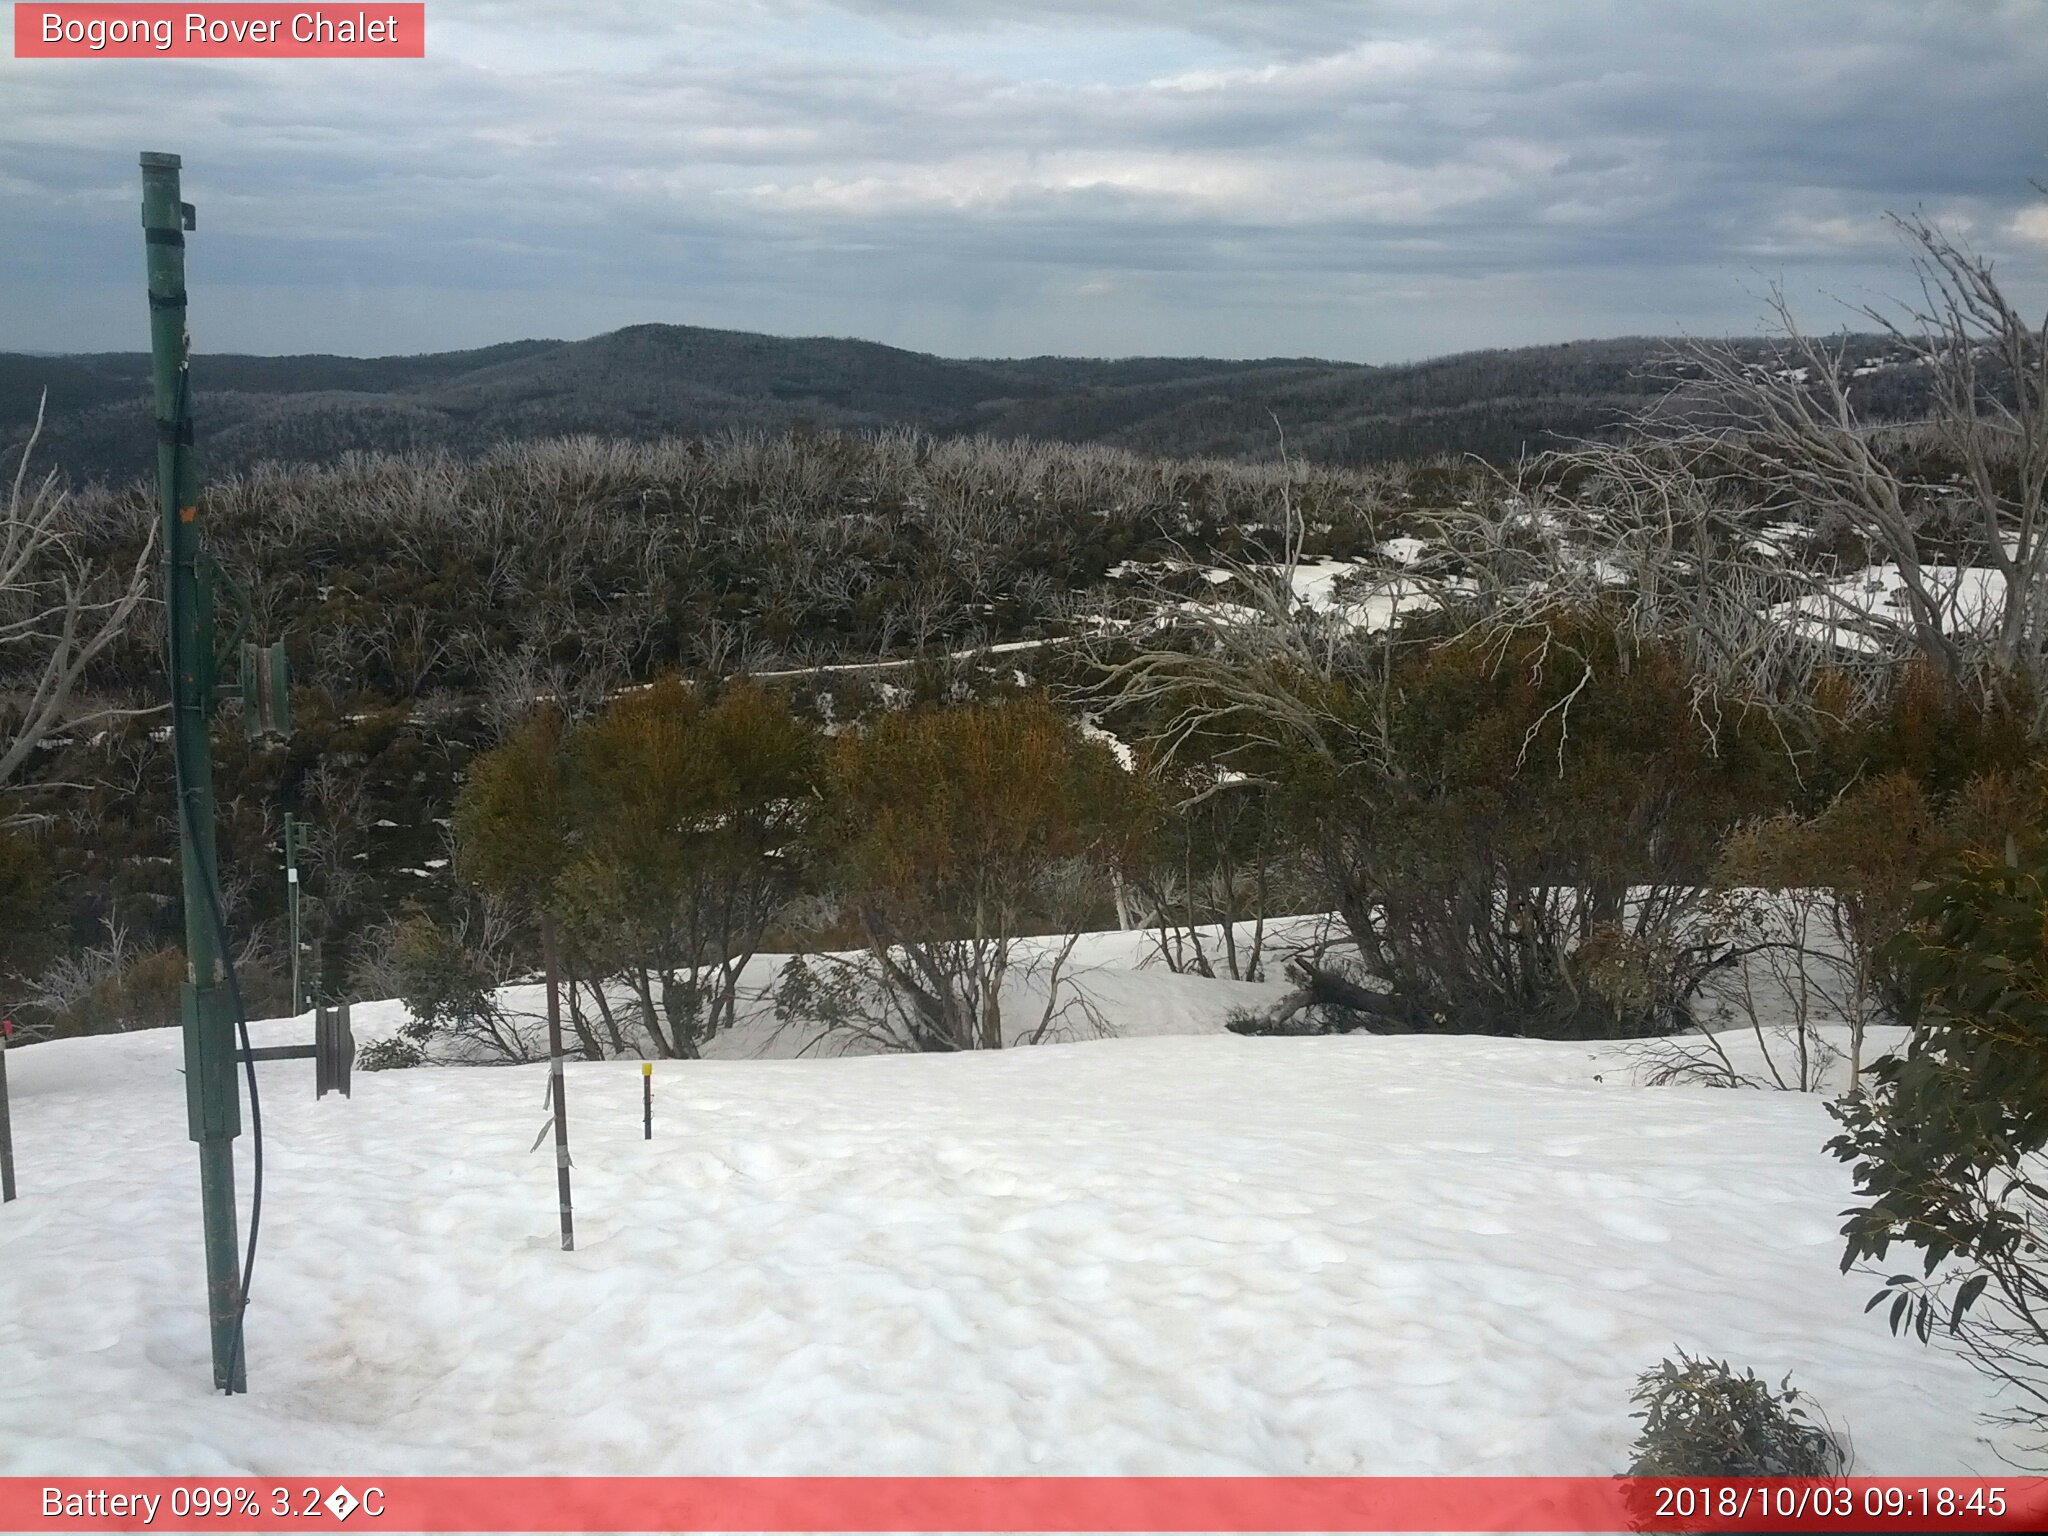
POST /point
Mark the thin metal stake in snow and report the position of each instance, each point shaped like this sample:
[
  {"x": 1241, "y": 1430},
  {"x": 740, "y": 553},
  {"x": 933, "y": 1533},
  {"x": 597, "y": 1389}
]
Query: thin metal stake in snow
[
  {"x": 6, "y": 1123},
  {"x": 646, "y": 1100},
  {"x": 555, "y": 1081}
]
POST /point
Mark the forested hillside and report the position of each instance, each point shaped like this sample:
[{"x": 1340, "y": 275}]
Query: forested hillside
[{"x": 653, "y": 381}]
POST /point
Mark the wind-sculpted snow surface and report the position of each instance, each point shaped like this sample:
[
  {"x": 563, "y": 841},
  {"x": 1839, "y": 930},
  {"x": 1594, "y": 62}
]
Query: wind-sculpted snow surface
[{"x": 1203, "y": 1254}]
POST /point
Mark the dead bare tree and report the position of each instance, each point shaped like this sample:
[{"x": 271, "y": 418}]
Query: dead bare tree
[
  {"x": 59, "y": 609},
  {"x": 1277, "y": 679},
  {"x": 1771, "y": 1002},
  {"x": 1957, "y": 571}
]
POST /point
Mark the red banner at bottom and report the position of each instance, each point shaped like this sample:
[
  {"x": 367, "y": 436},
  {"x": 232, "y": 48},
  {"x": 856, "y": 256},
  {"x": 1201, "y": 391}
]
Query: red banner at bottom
[{"x": 1019, "y": 1504}]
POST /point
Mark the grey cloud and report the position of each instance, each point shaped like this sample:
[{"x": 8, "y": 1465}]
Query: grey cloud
[{"x": 1241, "y": 174}]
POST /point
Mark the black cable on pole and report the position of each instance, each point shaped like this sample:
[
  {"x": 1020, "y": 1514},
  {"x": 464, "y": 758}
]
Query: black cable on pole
[{"x": 220, "y": 928}]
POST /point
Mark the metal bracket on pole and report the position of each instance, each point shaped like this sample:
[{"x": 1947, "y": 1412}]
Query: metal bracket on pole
[
  {"x": 266, "y": 691},
  {"x": 333, "y": 1052}
]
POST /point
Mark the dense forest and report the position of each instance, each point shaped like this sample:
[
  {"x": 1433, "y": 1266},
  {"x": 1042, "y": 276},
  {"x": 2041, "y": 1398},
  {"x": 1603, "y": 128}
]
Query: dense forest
[{"x": 654, "y": 381}]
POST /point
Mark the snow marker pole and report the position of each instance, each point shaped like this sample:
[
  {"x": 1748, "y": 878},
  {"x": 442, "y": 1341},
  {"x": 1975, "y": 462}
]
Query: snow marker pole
[
  {"x": 213, "y": 1101},
  {"x": 556, "y": 1085},
  {"x": 646, "y": 1099},
  {"x": 291, "y": 877},
  {"x": 6, "y": 1120}
]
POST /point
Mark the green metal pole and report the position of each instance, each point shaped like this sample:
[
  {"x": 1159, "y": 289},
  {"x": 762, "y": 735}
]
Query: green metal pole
[{"x": 212, "y": 1096}]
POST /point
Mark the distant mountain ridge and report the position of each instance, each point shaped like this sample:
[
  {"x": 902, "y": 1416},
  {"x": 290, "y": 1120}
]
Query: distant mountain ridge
[{"x": 660, "y": 380}]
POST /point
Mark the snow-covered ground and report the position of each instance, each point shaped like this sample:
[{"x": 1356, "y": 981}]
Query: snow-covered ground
[
  {"x": 1970, "y": 599},
  {"x": 1176, "y": 1252}
]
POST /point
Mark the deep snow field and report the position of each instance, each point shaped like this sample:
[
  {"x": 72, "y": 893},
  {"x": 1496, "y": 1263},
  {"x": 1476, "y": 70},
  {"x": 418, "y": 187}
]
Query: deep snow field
[{"x": 1179, "y": 1251}]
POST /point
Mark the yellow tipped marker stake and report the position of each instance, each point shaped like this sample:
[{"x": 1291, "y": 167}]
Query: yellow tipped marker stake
[{"x": 647, "y": 1100}]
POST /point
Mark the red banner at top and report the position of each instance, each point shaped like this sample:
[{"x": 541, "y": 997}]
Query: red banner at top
[{"x": 359, "y": 31}]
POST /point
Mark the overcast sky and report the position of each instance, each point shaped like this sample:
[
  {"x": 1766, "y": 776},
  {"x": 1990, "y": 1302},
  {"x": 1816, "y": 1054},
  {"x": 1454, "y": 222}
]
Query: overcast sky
[{"x": 1362, "y": 179}]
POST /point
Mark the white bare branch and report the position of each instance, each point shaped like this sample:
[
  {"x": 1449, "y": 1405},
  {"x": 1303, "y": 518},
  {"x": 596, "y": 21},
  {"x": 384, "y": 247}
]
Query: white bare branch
[{"x": 59, "y": 609}]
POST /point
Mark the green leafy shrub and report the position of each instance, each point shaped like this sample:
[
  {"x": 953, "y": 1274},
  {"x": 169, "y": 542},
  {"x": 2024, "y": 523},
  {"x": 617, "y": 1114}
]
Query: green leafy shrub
[
  {"x": 403, "y": 1049},
  {"x": 1516, "y": 830},
  {"x": 1947, "y": 1142},
  {"x": 1702, "y": 1420},
  {"x": 449, "y": 980}
]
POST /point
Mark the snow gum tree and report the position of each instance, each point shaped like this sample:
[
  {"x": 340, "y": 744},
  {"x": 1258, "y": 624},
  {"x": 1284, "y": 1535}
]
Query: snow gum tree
[
  {"x": 512, "y": 832},
  {"x": 688, "y": 817},
  {"x": 60, "y": 607},
  {"x": 663, "y": 836},
  {"x": 512, "y": 821},
  {"x": 1670, "y": 514},
  {"x": 1514, "y": 824},
  {"x": 1523, "y": 849},
  {"x": 955, "y": 833}
]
